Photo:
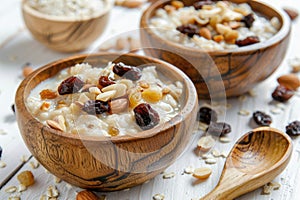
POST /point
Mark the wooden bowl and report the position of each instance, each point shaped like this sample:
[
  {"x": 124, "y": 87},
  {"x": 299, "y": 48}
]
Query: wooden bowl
[
  {"x": 62, "y": 33},
  {"x": 237, "y": 71},
  {"x": 104, "y": 163}
]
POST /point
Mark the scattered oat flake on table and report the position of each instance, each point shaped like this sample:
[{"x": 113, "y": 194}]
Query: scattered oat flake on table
[
  {"x": 202, "y": 126},
  {"x": 14, "y": 198},
  {"x": 210, "y": 161},
  {"x": 25, "y": 158},
  {"x": 189, "y": 170},
  {"x": 244, "y": 112},
  {"x": 11, "y": 189},
  {"x": 224, "y": 154},
  {"x": 276, "y": 111},
  {"x": 224, "y": 139},
  {"x": 267, "y": 188},
  {"x": 215, "y": 153},
  {"x": 34, "y": 164},
  {"x": 207, "y": 156},
  {"x": 22, "y": 188},
  {"x": 2, "y": 164},
  {"x": 295, "y": 64},
  {"x": 252, "y": 93},
  {"x": 205, "y": 143},
  {"x": 56, "y": 179},
  {"x": 168, "y": 175},
  {"x": 52, "y": 191},
  {"x": 242, "y": 98},
  {"x": 158, "y": 197}
]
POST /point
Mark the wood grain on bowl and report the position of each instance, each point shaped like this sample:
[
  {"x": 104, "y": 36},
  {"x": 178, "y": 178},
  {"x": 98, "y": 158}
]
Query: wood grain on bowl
[
  {"x": 63, "y": 34},
  {"x": 104, "y": 163},
  {"x": 235, "y": 71}
]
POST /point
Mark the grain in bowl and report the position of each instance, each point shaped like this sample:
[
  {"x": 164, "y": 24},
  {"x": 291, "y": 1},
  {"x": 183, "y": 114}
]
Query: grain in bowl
[
  {"x": 115, "y": 100},
  {"x": 213, "y": 25}
]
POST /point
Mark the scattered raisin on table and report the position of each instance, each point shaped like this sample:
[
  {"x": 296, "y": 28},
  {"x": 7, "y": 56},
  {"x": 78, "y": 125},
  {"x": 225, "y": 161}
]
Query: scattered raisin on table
[
  {"x": 219, "y": 128},
  {"x": 95, "y": 107},
  {"x": 129, "y": 72},
  {"x": 71, "y": 85},
  {"x": 262, "y": 118},
  {"x": 248, "y": 20},
  {"x": 105, "y": 81},
  {"x": 188, "y": 29},
  {"x": 145, "y": 116},
  {"x": 199, "y": 4},
  {"x": 282, "y": 93},
  {"x": 293, "y": 129},
  {"x": 207, "y": 115},
  {"x": 247, "y": 41}
]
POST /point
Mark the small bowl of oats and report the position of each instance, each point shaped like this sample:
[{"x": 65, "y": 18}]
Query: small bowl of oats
[
  {"x": 106, "y": 121},
  {"x": 221, "y": 45},
  {"x": 66, "y": 25}
]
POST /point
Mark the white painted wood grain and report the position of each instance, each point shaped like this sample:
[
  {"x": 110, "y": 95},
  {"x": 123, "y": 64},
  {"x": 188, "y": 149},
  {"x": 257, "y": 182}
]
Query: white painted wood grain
[{"x": 22, "y": 48}]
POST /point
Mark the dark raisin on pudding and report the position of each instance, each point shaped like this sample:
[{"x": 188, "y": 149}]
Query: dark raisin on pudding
[
  {"x": 207, "y": 115},
  {"x": 247, "y": 41},
  {"x": 70, "y": 86},
  {"x": 248, "y": 20},
  {"x": 293, "y": 129},
  {"x": 129, "y": 72},
  {"x": 105, "y": 81},
  {"x": 262, "y": 118},
  {"x": 95, "y": 107},
  {"x": 145, "y": 116},
  {"x": 188, "y": 29}
]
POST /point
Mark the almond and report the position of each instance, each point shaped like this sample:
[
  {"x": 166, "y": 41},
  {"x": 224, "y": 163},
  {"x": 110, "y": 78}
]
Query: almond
[
  {"x": 86, "y": 195},
  {"x": 290, "y": 81},
  {"x": 202, "y": 173},
  {"x": 118, "y": 105},
  {"x": 55, "y": 125}
]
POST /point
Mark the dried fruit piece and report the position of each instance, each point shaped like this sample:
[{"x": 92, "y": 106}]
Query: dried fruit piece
[
  {"x": 135, "y": 98},
  {"x": 146, "y": 117},
  {"x": 95, "y": 107},
  {"x": 248, "y": 20},
  {"x": 48, "y": 94},
  {"x": 205, "y": 143},
  {"x": 290, "y": 81},
  {"x": 152, "y": 95},
  {"x": 129, "y": 72},
  {"x": 207, "y": 115},
  {"x": 293, "y": 128},
  {"x": 199, "y": 4},
  {"x": 262, "y": 118},
  {"x": 282, "y": 94},
  {"x": 105, "y": 81},
  {"x": 292, "y": 13},
  {"x": 188, "y": 29},
  {"x": 247, "y": 41},
  {"x": 26, "y": 178},
  {"x": 202, "y": 172},
  {"x": 219, "y": 128},
  {"x": 86, "y": 195},
  {"x": 71, "y": 85}
]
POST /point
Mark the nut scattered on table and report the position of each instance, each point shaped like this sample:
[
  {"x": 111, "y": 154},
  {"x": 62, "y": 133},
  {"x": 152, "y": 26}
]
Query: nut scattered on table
[
  {"x": 86, "y": 195},
  {"x": 290, "y": 81},
  {"x": 202, "y": 172}
]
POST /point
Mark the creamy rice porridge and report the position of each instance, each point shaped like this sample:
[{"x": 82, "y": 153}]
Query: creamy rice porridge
[
  {"x": 75, "y": 9},
  {"x": 212, "y": 25},
  {"x": 115, "y": 100}
]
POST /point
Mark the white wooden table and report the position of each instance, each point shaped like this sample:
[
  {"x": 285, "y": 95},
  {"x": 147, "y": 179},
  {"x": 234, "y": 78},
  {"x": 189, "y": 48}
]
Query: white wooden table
[{"x": 18, "y": 47}]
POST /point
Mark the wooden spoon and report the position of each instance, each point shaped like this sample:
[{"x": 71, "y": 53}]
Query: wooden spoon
[{"x": 256, "y": 159}]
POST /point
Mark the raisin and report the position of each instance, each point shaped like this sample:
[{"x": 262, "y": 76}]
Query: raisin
[
  {"x": 95, "y": 107},
  {"x": 145, "y": 116},
  {"x": 13, "y": 108},
  {"x": 219, "y": 128},
  {"x": 293, "y": 129},
  {"x": 198, "y": 5},
  {"x": 71, "y": 85},
  {"x": 247, "y": 41},
  {"x": 262, "y": 118},
  {"x": 48, "y": 94},
  {"x": 206, "y": 115},
  {"x": 188, "y": 29},
  {"x": 0, "y": 152},
  {"x": 282, "y": 93},
  {"x": 105, "y": 81},
  {"x": 129, "y": 72},
  {"x": 248, "y": 20}
]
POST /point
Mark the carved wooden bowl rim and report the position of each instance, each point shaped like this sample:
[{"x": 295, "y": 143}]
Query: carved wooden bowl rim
[
  {"x": 27, "y": 9},
  {"x": 187, "y": 109},
  {"x": 279, "y": 36}
]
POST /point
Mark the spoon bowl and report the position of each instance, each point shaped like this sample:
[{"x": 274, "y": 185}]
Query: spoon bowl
[{"x": 256, "y": 159}]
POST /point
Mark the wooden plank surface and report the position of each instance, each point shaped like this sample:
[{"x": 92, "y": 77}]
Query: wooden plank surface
[{"x": 17, "y": 47}]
